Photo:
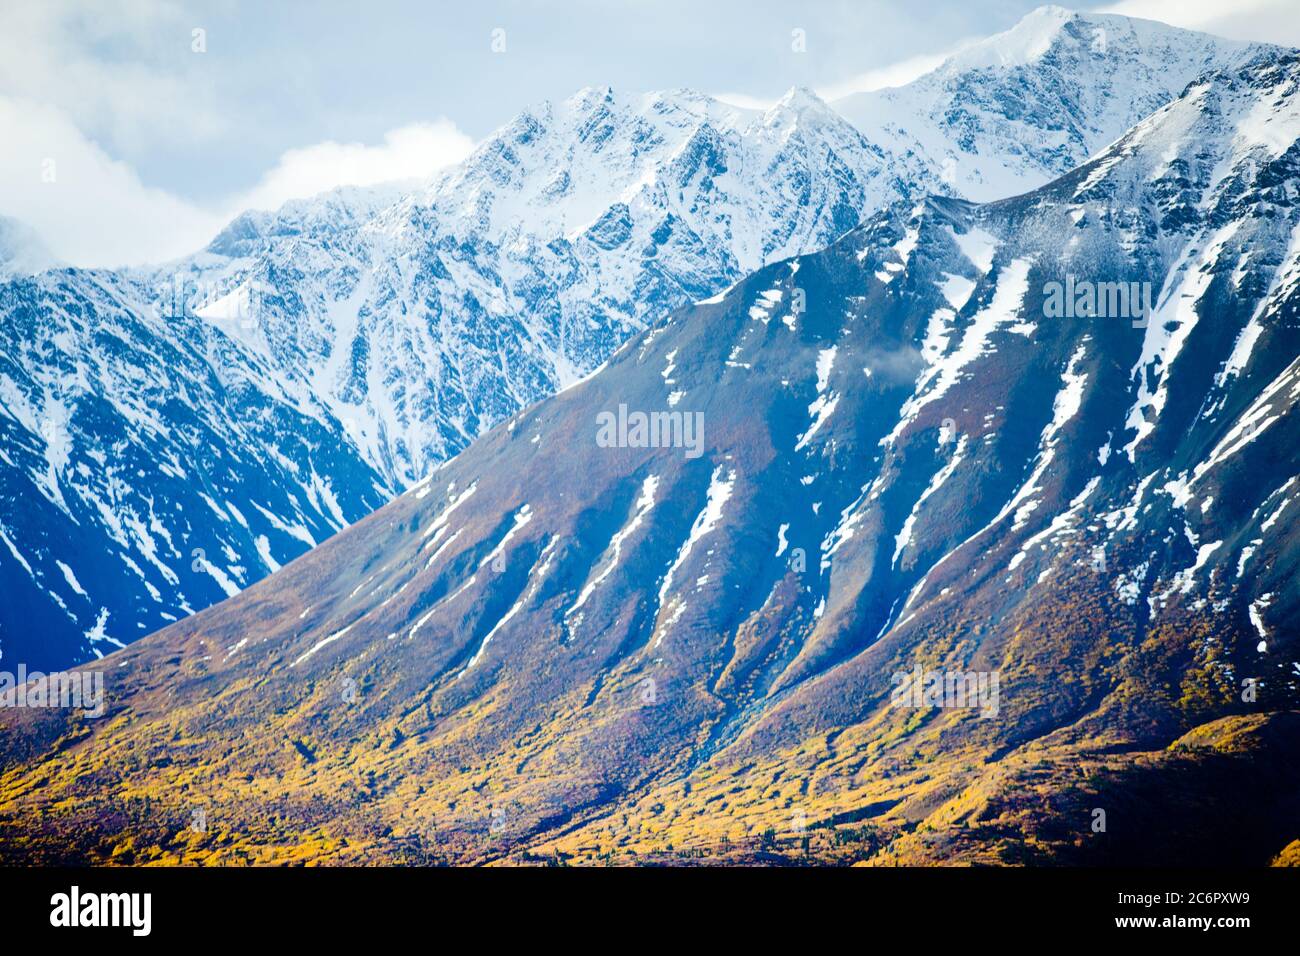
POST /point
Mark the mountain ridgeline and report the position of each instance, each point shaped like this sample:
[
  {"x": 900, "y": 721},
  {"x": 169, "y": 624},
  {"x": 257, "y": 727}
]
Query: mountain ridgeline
[{"x": 173, "y": 434}]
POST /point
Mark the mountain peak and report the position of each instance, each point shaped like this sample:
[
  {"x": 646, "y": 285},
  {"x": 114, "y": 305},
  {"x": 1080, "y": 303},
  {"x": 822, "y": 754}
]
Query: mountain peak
[
  {"x": 800, "y": 97},
  {"x": 590, "y": 96},
  {"x": 1024, "y": 43},
  {"x": 799, "y": 104}
]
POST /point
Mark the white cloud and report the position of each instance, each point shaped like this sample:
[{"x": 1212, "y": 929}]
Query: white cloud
[
  {"x": 123, "y": 72},
  {"x": 96, "y": 90},
  {"x": 414, "y": 151},
  {"x": 90, "y": 209},
  {"x": 745, "y": 101},
  {"x": 1268, "y": 21},
  {"x": 891, "y": 74}
]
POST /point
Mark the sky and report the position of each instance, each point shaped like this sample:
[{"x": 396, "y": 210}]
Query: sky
[{"x": 132, "y": 130}]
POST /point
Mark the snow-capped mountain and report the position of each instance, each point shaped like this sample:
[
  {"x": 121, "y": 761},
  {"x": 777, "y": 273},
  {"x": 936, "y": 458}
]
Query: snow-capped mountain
[
  {"x": 516, "y": 273},
  {"x": 1023, "y": 107},
  {"x": 378, "y": 331},
  {"x": 252, "y": 400},
  {"x": 960, "y": 440},
  {"x": 423, "y": 322}
]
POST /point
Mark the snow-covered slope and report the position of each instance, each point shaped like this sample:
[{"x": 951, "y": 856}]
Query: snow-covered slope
[
  {"x": 423, "y": 321},
  {"x": 150, "y": 467},
  {"x": 519, "y": 271},
  {"x": 1025, "y": 106}
]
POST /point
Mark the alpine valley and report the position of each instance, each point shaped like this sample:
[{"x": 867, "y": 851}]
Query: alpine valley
[{"x": 914, "y": 460}]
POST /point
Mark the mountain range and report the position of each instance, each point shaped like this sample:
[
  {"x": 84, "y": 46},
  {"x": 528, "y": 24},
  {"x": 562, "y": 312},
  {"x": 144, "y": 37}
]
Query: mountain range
[
  {"x": 332, "y": 352},
  {"x": 1042, "y": 443}
]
